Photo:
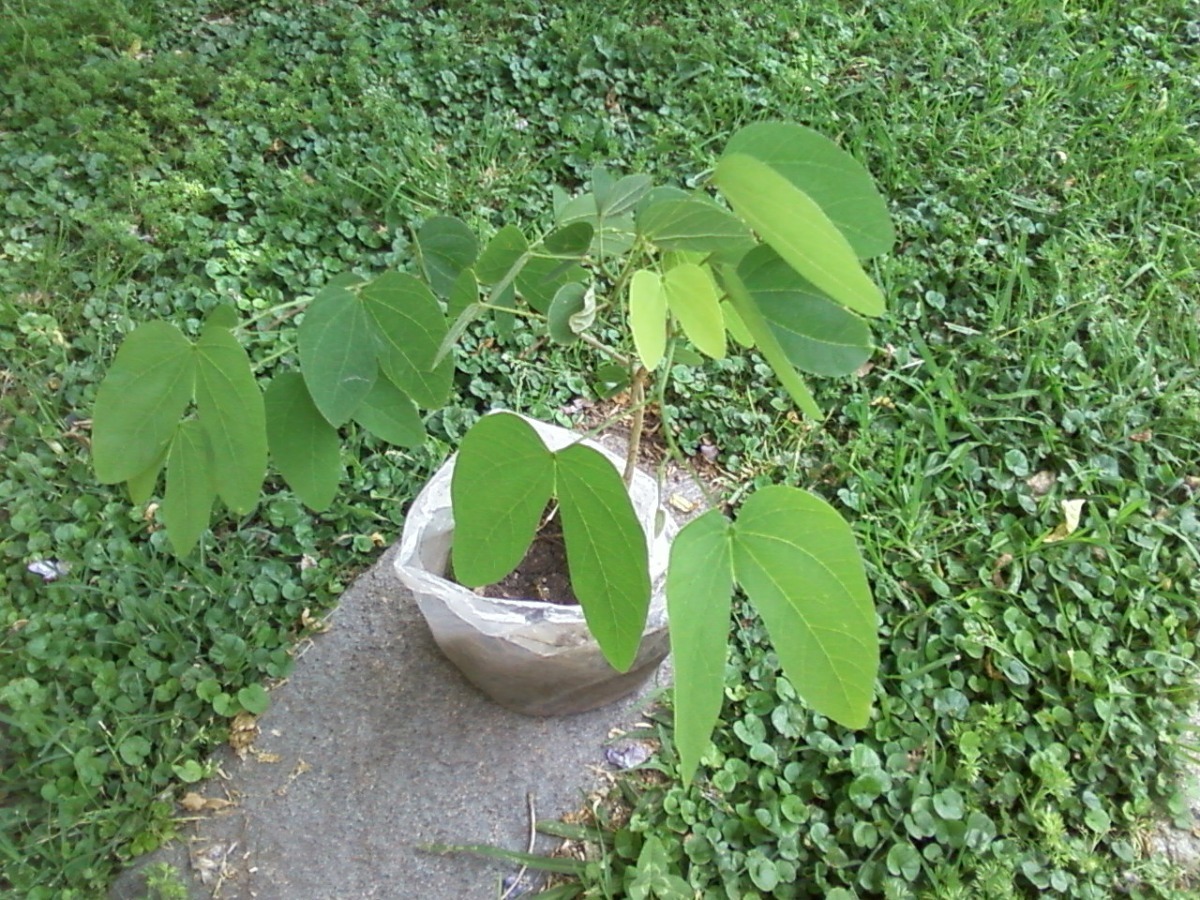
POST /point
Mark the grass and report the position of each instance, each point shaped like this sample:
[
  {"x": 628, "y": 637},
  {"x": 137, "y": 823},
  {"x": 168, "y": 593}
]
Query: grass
[{"x": 1043, "y": 167}]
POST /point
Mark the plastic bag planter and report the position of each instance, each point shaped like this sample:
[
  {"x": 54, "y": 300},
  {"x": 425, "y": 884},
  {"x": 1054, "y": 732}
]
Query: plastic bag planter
[{"x": 531, "y": 656}]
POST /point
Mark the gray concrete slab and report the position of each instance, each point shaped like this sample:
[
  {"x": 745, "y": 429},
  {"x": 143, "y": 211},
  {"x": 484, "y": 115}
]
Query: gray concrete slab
[{"x": 373, "y": 748}]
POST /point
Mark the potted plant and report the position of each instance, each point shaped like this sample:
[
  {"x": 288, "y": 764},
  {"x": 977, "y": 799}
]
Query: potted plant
[{"x": 775, "y": 267}]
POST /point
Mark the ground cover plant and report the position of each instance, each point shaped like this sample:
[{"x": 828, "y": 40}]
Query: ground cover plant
[{"x": 158, "y": 160}]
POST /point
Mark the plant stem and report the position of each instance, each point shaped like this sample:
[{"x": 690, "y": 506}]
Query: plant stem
[
  {"x": 710, "y": 499},
  {"x": 637, "y": 395}
]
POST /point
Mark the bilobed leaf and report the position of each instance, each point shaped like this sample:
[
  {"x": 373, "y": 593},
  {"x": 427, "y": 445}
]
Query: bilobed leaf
[
  {"x": 569, "y": 301},
  {"x": 223, "y": 315},
  {"x": 337, "y": 353},
  {"x": 502, "y": 253},
  {"x": 797, "y": 229},
  {"x": 464, "y": 292},
  {"x": 389, "y": 414},
  {"x": 408, "y": 327},
  {"x": 796, "y": 559},
  {"x": 446, "y": 247},
  {"x": 541, "y": 277},
  {"x": 141, "y": 400},
  {"x": 230, "y": 408},
  {"x": 503, "y": 479},
  {"x": 648, "y": 317},
  {"x": 601, "y": 184},
  {"x": 816, "y": 334},
  {"x": 735, "y": 326},
  {"x": 191, "y": 487},
  {"x": 141, "y": 487},
  {"x": 699, "y": 592},
  {"x": 764, "y": 340},
  {"x": 692, "y": 223},
  {"x": 506, "y": 322},
  {"x": 625, "y": 195},
  {"x": 303, "y": 444},
  {"x": 569, "y": 240},
  {"x": 838, "y": 183},
  {"x": 580, "y": 208},
  {"x": 692, "y": 298},
  {"x": 606, "y": 551}
]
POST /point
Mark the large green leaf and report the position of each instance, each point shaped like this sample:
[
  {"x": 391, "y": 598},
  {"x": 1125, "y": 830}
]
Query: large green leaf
[
  {"x": 464, "y": 292},
  {"x": 503, "y": 252},
  {"x": 140, "y": 401},
  {"x": 389, "y": 414},
  {"x": 408, "y": 328},
  {"x": 816, "y": 334},
  {"x": 625, "y": 195},
  {"x": 191, "y": 487},
  {"x": 337, "y": 353},
  {"x": 303, "y": 444},
  {"x": 764, "y": 339},
  {"x": 692, "y": 223},
  {"x": 606, "y": 551},
  {"x": 570, "y": 301},
  {"x": 541, "y": 277},
  {"x": 699, "y": 588},
  {"x": 142, "y": 486},
  {"x": 797, "y": 229},
  {"x": 230, "y": 407},
  {"x": 571, "y": 240},
  {"x": 446, "y": 246},
  {"x": 838, "y": 183},
  {"x": 503, "y": 479},
  {"x": 692, "y": 298},
  {"x": 648, "y": 317},
  {"x": 796, "y": 559}
]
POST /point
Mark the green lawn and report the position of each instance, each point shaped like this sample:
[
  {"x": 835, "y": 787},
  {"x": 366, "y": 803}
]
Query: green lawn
[{"x": 1043, "y": 346}]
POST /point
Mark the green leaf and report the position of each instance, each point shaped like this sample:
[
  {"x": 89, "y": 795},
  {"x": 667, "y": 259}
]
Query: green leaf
[
  {"x": 764, "y": 339},
  {"x": 570, "y": 301},
  {"x": 606, "y": 551},
  {"x": 838, "y": 183},
  {"x": 254, "y": 699},
  {"x": 624, "y": 195},
  {"x": 814, "y": 333},
  {"x": 337, "y": 353},
  {"x": 796, "y": 559},
  {"x": 569, "y": 240},
  {"x": 503, "y": 252},
  {"x": 797, "y": 229},
  {"x": 134, "y": 749},
  {"x": 140, "y": 401},
  {"x": 446, "y": 246},
  {"x": 735, "y": 326},
  {"x": 580, "y": 208},
  {"x": 503, "y": 479},
  {"x": 230, "y": 407},
  {"x": 540, "y": 279},
  {"x": 408, "y": 327},
  {"x": 699, "y": 588},
  {"x": 303, "y": 444},
  {"x": 142, "y": 486},
  {"x": 223, "y": 315},
  {"x": 601, "y": 184},
  {"x": 692, "y": 223},
  {"x": 464, "y": 292},
  {"x": 648, "y": 317},
  {"x": 692, "y": 298},
  {"x": 611, "y": 379},
  {"x": 506, "y": 322},
  {"x": 389, "y": 414},
  {"x": 191, "y": 487}
]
